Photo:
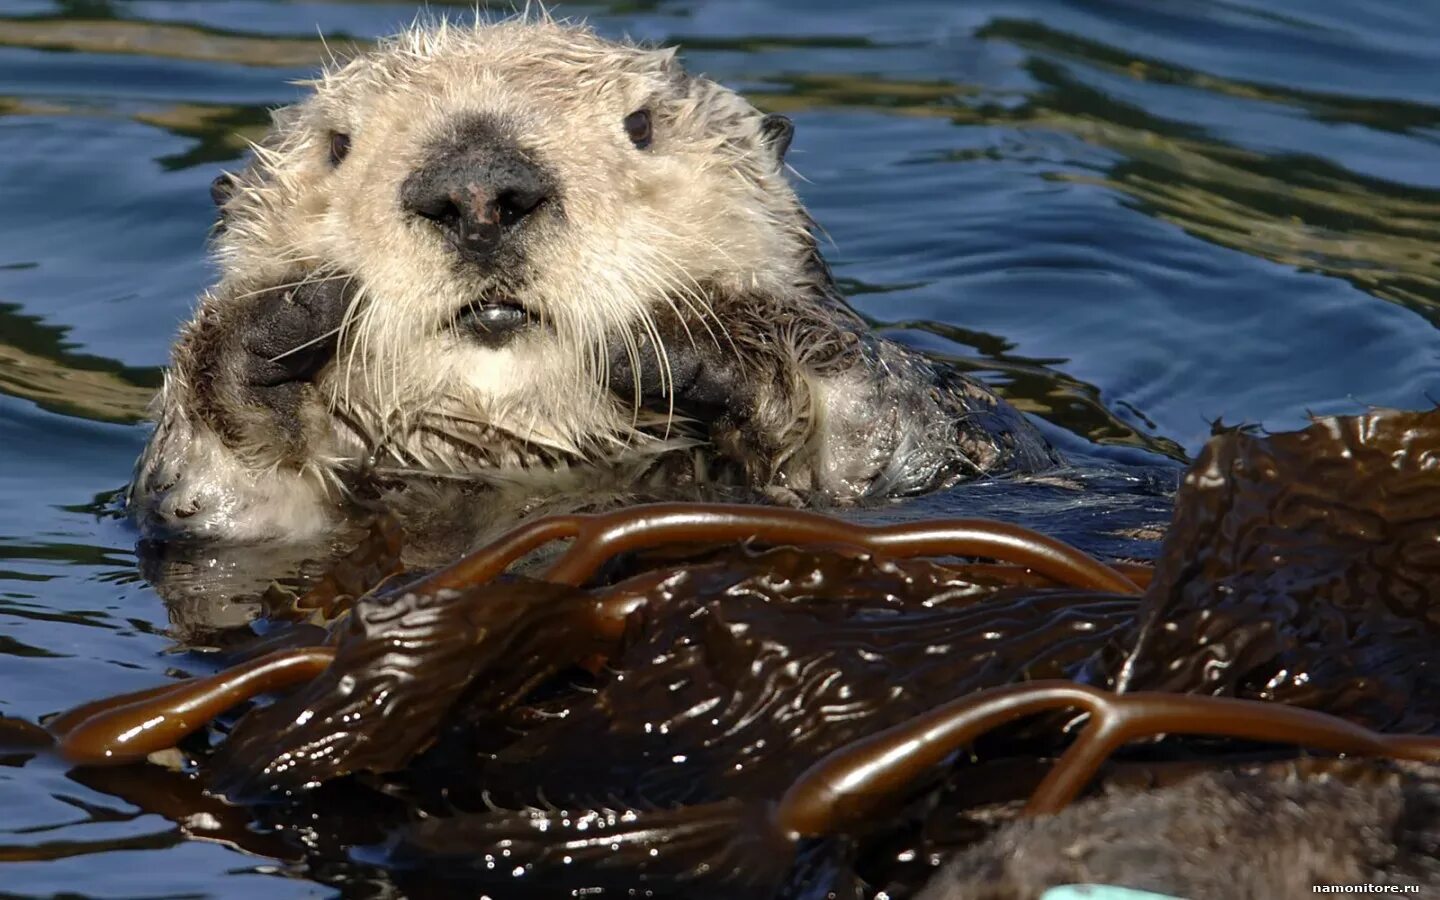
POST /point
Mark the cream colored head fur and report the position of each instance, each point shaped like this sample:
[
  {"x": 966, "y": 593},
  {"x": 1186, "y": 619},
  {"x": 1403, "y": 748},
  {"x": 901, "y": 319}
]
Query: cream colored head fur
[{"x": 704, "y": 210}]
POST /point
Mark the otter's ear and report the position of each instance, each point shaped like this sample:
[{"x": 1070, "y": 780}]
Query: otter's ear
[
  {"x": 222, "y": 188},
  {"x": 776, "y": 131}
]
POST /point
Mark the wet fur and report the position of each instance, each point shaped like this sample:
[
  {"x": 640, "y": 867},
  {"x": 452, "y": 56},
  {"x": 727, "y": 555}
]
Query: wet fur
[
  {"x": 681, "y": 297},
  {"x": 1219, "y": 836}
]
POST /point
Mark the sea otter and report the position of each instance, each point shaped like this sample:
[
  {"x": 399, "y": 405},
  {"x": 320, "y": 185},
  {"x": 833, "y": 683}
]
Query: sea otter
[{"x": 517, "y": 250}]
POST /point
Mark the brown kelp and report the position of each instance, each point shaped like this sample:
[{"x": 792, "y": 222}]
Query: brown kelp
[{"x": 698, "y": 699}]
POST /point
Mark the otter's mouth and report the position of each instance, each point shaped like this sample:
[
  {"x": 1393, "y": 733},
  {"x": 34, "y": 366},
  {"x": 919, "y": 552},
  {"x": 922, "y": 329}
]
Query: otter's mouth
[{"x": 494, "y": 321}]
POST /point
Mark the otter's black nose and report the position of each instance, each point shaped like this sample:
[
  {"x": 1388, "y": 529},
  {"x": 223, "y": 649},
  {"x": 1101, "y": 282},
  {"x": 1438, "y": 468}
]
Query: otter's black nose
[{"x": 478, "y": 188}]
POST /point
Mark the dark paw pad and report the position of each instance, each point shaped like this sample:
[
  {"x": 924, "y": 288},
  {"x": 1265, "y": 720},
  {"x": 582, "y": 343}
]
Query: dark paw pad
[
  {"x": 290, "y": 333},
  {"x": 701, "y": 376}
]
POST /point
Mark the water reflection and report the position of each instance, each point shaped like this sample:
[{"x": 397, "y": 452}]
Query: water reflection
[{"x": 36, "y": 364}]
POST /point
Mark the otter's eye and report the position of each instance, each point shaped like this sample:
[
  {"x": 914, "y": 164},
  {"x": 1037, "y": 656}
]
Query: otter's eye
[
  {"x": 637, "y": 128},
  {"x": 339, "y": 146}
]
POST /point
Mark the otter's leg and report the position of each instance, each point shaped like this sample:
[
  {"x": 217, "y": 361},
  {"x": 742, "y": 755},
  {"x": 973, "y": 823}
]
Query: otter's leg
[
  {"x": 807, "y": 400},
  {"x": 700, "y": 374},
  {"x": 241, "y": 431}
]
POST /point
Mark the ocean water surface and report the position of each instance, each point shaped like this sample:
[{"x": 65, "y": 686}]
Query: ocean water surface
[{"x": 1134, "y": 217}]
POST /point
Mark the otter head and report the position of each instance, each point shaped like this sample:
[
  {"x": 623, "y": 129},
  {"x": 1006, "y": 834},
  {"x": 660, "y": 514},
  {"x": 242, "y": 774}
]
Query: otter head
[
  {"x": 512, "y": 201},
  {"x": 472, "y": 236}
]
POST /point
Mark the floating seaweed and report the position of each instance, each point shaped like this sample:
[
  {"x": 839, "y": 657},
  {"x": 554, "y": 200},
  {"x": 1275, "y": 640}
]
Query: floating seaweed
[
  {"x": 1303, "y": 568},
  {"x": 712, "y": 700}
]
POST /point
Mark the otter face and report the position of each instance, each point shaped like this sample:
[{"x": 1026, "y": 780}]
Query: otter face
[{"x": 512, "y": 205}]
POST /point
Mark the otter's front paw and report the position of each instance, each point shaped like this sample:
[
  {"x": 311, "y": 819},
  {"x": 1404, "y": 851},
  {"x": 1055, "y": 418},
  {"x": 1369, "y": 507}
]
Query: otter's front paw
[
  {"x": 745, "y": 406},
  {"x": 250, "y": 360},
  {"x": 697, "y": 376},
  {"x": 188, "y": 482},
  {"x": 243, "y": 438},
  {"x": 288, "y": 334}
]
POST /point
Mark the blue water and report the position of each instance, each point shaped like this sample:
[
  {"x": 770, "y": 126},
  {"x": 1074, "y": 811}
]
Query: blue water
[{"x": 1134, "y": 218}]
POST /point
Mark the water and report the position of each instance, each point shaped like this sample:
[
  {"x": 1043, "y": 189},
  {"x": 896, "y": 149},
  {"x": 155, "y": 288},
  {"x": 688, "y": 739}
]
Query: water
[{"x": 1134, "y": 217}]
